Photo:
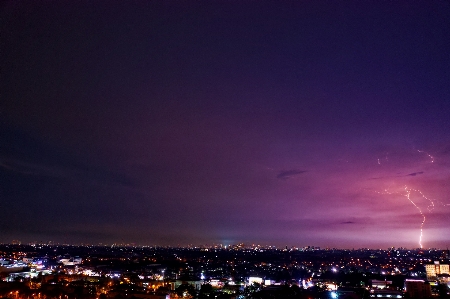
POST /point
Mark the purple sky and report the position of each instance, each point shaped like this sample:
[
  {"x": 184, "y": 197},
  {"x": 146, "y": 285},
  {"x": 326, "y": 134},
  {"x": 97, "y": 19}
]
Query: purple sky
[{"x": 171, "y": 123}]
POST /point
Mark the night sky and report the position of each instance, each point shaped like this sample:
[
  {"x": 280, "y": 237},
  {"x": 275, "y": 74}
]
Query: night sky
[{"x": 281, "y": 123}]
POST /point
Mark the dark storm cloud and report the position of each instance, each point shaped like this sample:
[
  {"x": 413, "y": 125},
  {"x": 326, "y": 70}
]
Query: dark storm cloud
[
  {"x": 44, "y": 180},
  {"x": 71, "y": 234},
  {"x": 27, "y": 168},
  {"x": 26, "y": 155},
  {"x": 415, "y": 173},
  {"x": 284, "y": 175},
  {"x": 14, "y": 167},
  {"x": 80, "y": 172},
  {"x": 398, "y": 176},
  {"x": 160, "y": 119}
]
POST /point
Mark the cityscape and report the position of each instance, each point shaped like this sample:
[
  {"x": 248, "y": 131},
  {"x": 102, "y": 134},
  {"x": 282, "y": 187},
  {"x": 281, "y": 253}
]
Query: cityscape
[{"x": 228, "y": 272}]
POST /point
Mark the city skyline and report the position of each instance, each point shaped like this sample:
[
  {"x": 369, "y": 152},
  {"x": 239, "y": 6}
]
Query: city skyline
[{"x": 290, "y": 124}]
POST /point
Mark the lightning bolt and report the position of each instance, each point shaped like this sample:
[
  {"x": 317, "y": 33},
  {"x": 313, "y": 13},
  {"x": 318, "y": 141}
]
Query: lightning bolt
[
  {"x": 416, "y": 197},
  {"x": 408, "y": 196},
  {"x": 407, "y": 193},
  {"x": 430, "y": 156}
]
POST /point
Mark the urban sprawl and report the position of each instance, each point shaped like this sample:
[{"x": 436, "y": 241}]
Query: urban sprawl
[{"x": 221, "y": 272}]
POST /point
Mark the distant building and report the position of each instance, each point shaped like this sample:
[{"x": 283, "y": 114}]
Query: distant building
[
  {"x": 416, "y": 288},
  {"x": 435, "y": 269},
  {"x": 255, "y": 279},
  {"x": 71, "y": 261},
  {"x": 193, "y": 281},
  {"x": 446, "y": 254},
  {"x": 385, "y": 294},
  {"x": 379, "y": 284}
]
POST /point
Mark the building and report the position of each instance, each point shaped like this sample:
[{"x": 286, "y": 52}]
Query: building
[
  {"x": 435, "y": 269},
  {"x": 379, "y": 284},
  {"x": 71, "y": 261},
  {"x": 385, "y": 294},
  {"x": 416, "y": 288},
  {"x": 186, "y": 280}
]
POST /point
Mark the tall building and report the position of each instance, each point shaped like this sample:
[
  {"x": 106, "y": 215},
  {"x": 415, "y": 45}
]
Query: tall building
[
  {"x": 433, "y": 270},
  {"x": 416, "y": 288}
]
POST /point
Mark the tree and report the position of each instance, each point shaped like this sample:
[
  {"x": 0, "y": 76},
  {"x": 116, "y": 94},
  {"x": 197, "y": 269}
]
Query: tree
[
  {"x": 443, "y": 291},
  {"x": 186, "y": 291},
  {"x": 206, "y": 291}
]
